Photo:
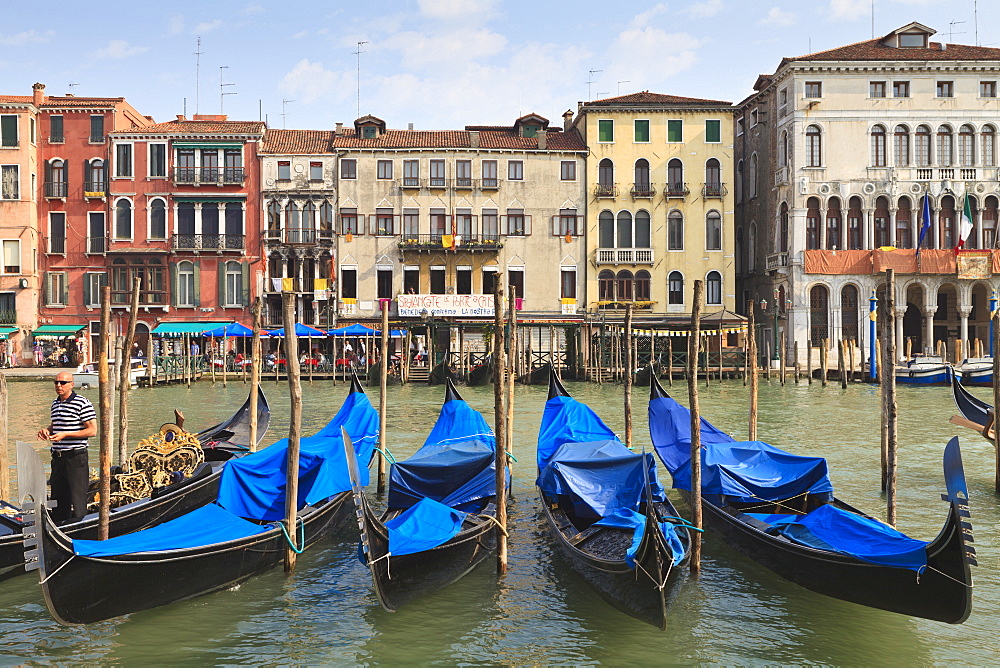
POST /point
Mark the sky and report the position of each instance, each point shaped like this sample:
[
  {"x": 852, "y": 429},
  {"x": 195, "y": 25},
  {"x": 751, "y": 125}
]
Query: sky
[{"x": 439, "y": 64}]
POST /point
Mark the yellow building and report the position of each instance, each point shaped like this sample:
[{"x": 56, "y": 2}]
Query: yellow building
[{"x": 659, "y": 210}]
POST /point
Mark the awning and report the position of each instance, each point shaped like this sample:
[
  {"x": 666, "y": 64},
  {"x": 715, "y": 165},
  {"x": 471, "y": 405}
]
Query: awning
[
  {"x": 179, "y": 328},
  {"x": 56, "y": 331},
  {"x": 6, "y": 332}
]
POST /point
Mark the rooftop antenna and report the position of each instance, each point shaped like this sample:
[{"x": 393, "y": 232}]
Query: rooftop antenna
[
  {"x": 975, "y": 18},
  {"x": 873, "y": 19},
  {"x": 358, "y": 54},
  {"x": 284, "y": 104},
  {"x": 620, "y": 85},
  {"x": 197, "y": 76},
  {"x": 222, "y": 89},
  {"x": 951, "y": 29},
  {"x": 70, "y": 86},
  {"x": 590, "y": 82}
]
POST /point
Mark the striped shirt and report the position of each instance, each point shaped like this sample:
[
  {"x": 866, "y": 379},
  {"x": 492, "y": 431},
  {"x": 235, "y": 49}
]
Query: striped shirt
[{"x": 71, "y": 415}]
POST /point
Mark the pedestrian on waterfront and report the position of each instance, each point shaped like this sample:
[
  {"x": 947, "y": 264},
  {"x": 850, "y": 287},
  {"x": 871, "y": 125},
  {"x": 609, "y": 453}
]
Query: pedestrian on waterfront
[
  {"x": 195, "y": 349},
  {"x": 39, "y": 357},
  {"x": 73, "y": 421}
]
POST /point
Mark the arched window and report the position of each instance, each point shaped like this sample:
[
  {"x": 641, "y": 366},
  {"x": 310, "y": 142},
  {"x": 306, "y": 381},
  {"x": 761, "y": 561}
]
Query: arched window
[
  {"x": 606, "y": 176},
  {"x": 878, "y": 146},
  {"x": 783, "y": 149},
  {"x": 812, "y": 223},
  {"x": 675, "y": 177},
  {"x": 713, "y": 177},
  {"x": 833, "y": 225},
  {"x": 752, "y": 176},
  {"x": 624, "y": 239},
  {"x": 881, "y": 222},
  {"x": 901, "y": 146},
  {"x": 740, "y": 250},
  {"x": 990, "y": 222},
  {"x": 623, "y": 286},
  {"x": 713, "y": 231},
  {"x": 642, "y": 286},
  {"x": 642, "y": 176},
  {"x": 185, "y": 284},
  {"x": 326, "y": 219},
  {"x": 157, "y": 219},
  {"x": 948, "y": 233},
  {"x": 945, "y": 147},
  {"x": 971, "y": 240},
  {"x": 123, "y": 219},
  {"x": 95, "y": 179},
  {"x": 988, "y": 153},
  {"x": 606, "y": 285},
  {"x": 783, "y": 228},
  {"x": 293, "y": 219},
  {"x": 55, "y": 179},
  {"x": 642, "y": 231},
  {"x": 713, "y": 288},
  {"x": 234, "y": 284},
  {"x": 309, "y": 216},
  {"x": 739, "y": 182},
  {"x": 819, "y": 316},
  {"x": 185, "y": 224},
  {"x": 752, "y": 247},
  {"x": 849, "y": 312},
  {"x": 922, "y": 146},
  {"x": 675, "y": 288},
  {"x": 814, "y": 146},
  {"x": 273, "y": 219},
  {"x": 606, "y": 229},
  {"x": 234, "y": 225},
  {"x": 675, "y": 231},
  {"x": 904, "y": 227},
  {"x": 854, "y": 235},
  {"x": 966, "y": 146}
]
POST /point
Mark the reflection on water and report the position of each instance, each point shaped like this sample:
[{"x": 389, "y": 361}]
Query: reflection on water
[{"x": 541, "y": 612}]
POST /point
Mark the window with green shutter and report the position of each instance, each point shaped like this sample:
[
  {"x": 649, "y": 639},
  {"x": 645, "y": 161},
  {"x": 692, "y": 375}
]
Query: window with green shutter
[
  {"x": 8, "y": 130},
  {"x": 675, "y": 131},
  {"x": 606, "y": 131},
  {"x": 641, "y": 131},
  {"x": 713, "y": 131}
]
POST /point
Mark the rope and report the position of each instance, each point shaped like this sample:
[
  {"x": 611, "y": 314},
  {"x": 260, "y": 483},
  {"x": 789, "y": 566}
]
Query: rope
[
  {"x": 302, "y": 535},
  {"x": 52, "y": 574},
  {"x": 680, "y": 521},
  {"x": 779, "y": 504},
  {"x": 495, "y": 521},
  {"x": 510, "y": 455},
  {"x": 969, "y": 586},
  {"x": 385, "y": 453}
]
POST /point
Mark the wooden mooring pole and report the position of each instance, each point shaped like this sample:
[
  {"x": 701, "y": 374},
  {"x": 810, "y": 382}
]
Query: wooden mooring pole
[
  {"x": 670, "y": 361},
  {"x": 104, "y": 384},
  {"x": 4, "y": 456},
  {"x": 752, "y": 371},
  {"x": 824, "y": 355},
  {"x": 628, "y": 375},
  {"x": 383, "y": 385},
  {"x": 512, "y": 359},
  {"x": 996, "y": 394},
  {"x": 255, "y": 355},
  {"x": 501, "y": 376},
  {"x": 294, "y": 431},
  {"x": 125, "y": 376},
  {"x": 888, "y": 385},
  {"x": 693, "y": 342},
  {"x": 809, "y": 361}
]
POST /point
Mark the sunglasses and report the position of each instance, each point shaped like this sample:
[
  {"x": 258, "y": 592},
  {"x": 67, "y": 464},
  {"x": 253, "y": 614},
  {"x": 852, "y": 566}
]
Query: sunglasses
[{"x": 61, "y": 382}]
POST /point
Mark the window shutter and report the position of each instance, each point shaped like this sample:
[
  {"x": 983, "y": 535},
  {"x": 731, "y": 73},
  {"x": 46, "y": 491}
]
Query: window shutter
[
  {"x": 86, "y": 289},
  {"x": 222, "y": 283},
  {"x": 245, "y": 267},
  {"x": 197, "y": 283},
  {"x": 555, "y": 225},
  {"x": 372, "y": 223},
  {"x": 174, "y": 287},
  {"x": 503, "y": 225},
  {"x": 397, "y": 226},
  {"x": 48, "y": 288},
  {"x": 65, "y": 289},
  {"x": 527, "y": 225}
]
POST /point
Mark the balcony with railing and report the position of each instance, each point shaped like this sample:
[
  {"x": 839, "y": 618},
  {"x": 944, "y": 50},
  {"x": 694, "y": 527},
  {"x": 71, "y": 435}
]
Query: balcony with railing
[
  {"x": 605, "y": 190},
  {"x": 677, "y": 189},
  {"x": 967, "y": 173},
  {"x": 8, "y": 317},
  {"x": 97, "y": 245},
  {"x": 219, "y": 242},
  {"x": 925, "y": 173},
  {"x": 643, "y": 191},
  {"x": 56, "y": 188},
  {"x": 409, "y": 182},
  {"x": 946, "y": 173},
  {"x": 489, "y": 183},
  {"x": 775, "y": 260},
  {"x": 435, "y": 242},
  {"x": 624, "y": 256},
  {"x": 781, "y": 176},
  {"x": 465, "y": 183},
  {"x": 95, "y": 189},
  {"x": 713, "y": 190},
  {"x": 214, "y": 176},
  {"x": 299, "y": 236}
]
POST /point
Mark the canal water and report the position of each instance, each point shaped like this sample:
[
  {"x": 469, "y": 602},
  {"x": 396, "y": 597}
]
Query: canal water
[{"x": 735, "y": 613}]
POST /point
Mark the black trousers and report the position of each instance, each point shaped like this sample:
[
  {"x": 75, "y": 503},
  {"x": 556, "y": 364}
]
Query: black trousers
[{"x": 69, "y": 482}]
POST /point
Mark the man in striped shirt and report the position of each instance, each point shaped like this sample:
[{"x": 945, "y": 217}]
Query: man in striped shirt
[{"x": 73, "y": 422}]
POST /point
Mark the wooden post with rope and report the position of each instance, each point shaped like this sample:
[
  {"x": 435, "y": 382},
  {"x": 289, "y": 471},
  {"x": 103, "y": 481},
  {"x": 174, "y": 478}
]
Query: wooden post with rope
[
  {"x": 627, "y": 384},
  {"x": 996, "y": 393},
  {"x": 294, "y": 430},
  {"x": 752, "y": 371},
  {"x": 670, "y": 361},
  {"x": 4, "y": 455},
  {"x": 888, "y": 385},
  {"x": 824, "y": 356},
  {"x": 105, "y": 389},
  {"x": 255, "y": 355},
  {"x": 500, "y": 378},
  {"x": 512, "y": 342},
  {"x": 383, "y": 385},
  {"x": 693, "y": 341},
  {"x": 125, "y": 376}
]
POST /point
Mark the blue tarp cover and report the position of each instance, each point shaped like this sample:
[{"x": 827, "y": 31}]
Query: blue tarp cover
[
  {"x": 625, "y": 518},
  {"x": 232, "y": 329},
  {"x": 566, "y": 420},
  {"x": 750, "y": 470},
  {"x": 831, "y": 528},
  {"x": 599, "y": 477},
  {"x": 423, "y": 526},
  {"x": 207, "y": 525},
  {"x": 253, "y": 486}
]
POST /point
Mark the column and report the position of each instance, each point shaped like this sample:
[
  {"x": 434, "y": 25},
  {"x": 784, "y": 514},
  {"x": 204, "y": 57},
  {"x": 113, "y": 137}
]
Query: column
[
  {"x": 900, "y": 344},
  {"x": 821, "y": 232},
  {"x": 978, "y": 222},
  {"x": 197, "y": 219},
  {"x": 868, "y": 239},
  {"x": 891, "y": 222},
  {"x": 929, "y": 342},
  {"x": 963, "y": 331}
]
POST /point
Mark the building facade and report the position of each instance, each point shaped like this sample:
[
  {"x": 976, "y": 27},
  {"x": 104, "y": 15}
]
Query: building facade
[
  {"x": 660, "y": 209},
  {"x": 839, "y": 155}
]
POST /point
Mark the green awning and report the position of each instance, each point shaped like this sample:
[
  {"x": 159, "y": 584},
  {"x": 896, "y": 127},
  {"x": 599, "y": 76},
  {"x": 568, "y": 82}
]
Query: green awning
[
  {"x": 58, "y": 330},
  {"x": 208, "y": 144},
  {"x": 217, "y": 198},
  {"x": 6, "y": 332},
  {"x": 179, "y": 328}
]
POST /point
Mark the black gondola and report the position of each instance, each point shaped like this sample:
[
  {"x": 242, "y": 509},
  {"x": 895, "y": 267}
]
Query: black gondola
[
  {"x": 214, "y": 547},
  {"x": 589, "y": 488},
  {"x": 443, "y": 371},
  {"x": 442, "y": 509},
  {"x": 482, "y": 373},
  {"x": 643, "y": 375},
  {"x": 976, "y": 413},
  {"x": 895, "y": 573},
  {"x": 222, "y": 442},
  {"x": 537, "y": 376}
]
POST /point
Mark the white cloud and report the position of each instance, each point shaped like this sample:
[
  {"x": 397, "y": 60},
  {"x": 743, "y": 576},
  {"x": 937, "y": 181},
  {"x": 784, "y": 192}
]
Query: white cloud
[
  {"x": 673, "y": 53},
  {"x": 118, "y": 49},
  {"x": 207, "y": 26},
  {"x": 175, "y": 25},
  {"x": 849, "y": 10},
  {"x": 645, "y": 17},
  {"x": 455, "y": 9},
  {"x": 300, "y": 34},
  {"x": 27, "y": 37},
  {"x": 309, "y": 82},
  {"x": 253, "y": 9},
  {"x": 421, "y": 49},
  {"x": 704, "y": 9},
  {"x": 777, "y": 17}
]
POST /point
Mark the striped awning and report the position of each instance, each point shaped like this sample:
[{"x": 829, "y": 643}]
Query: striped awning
[{"x": 181, "y": 328}]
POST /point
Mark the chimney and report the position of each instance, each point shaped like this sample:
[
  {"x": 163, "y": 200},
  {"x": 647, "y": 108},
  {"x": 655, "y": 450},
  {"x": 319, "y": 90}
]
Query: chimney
[
  {"x": 943, "y": 46},
  {"x": 38, "y": 94},
  {"x": 473, "y": 138},
  {"x": 409, "y": 126},
  {"x": 211, "y": 117},
  {"x": 543, "y": 139},
  {"x": 567, "y": 119},
  {"x": 180, "y": 117},
  {"x": 339, "y": 132}
]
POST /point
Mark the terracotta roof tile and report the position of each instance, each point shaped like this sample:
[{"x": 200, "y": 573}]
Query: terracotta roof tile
[
  {"x": 644, "y": 98},
  {"x": 200, "y": 128},
  {"x": 874, "y": 49},
  {"x": 63, "y": 102},
  {"x": 15, "y": 99},
  {"x": 297, "y": 142}
]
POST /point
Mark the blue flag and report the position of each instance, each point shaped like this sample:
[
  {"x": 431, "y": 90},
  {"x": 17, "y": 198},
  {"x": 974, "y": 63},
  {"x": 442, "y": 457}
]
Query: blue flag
[{"x": 925, "y": 226}]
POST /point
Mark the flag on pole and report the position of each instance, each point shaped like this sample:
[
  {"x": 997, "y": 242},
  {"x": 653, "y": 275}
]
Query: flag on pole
[
  {"x": 925, "y": 225},
  {"x": 965, "y": 229}
]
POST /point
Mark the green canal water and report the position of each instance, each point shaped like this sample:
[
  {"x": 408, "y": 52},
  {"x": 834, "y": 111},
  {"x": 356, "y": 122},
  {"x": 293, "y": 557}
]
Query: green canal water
[{"x": 735, "y": 613}]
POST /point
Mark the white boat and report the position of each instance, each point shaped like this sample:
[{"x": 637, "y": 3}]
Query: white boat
[
  {"x": 85, "y": 376},
  {"x": 976, "y": 371},
  {"x": 928, "y": 370}
]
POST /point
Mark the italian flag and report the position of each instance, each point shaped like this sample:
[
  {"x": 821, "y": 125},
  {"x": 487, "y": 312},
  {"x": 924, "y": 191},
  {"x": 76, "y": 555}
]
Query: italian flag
[{"x": 966, "y": 227}]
